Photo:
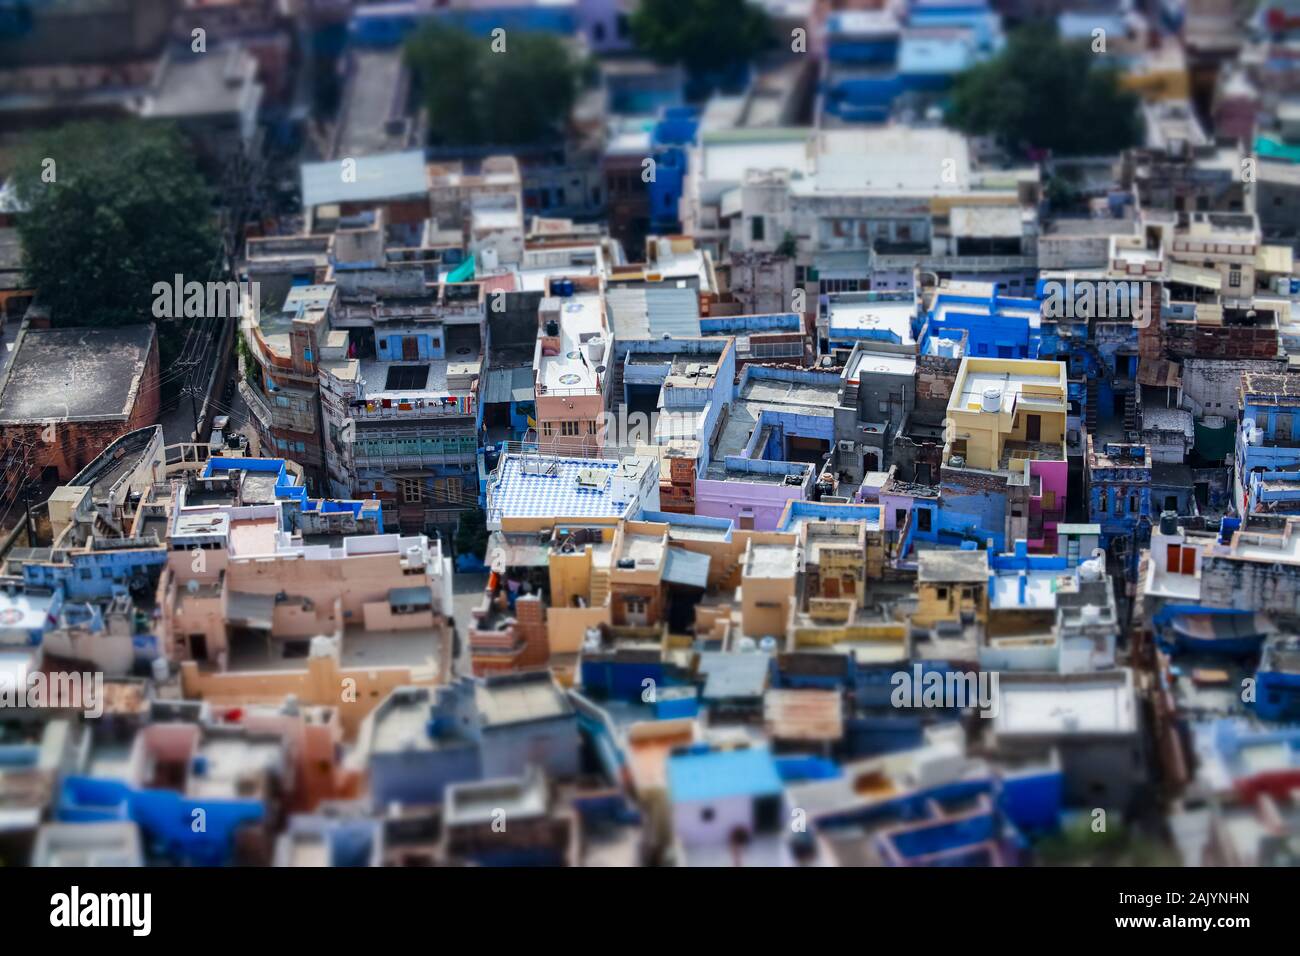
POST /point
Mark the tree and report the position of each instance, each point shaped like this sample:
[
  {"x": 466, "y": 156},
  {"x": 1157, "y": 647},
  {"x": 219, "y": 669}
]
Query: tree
[
  {"x": 472, "y": 534},
  {"x": 705, "y": 36},
  {"x": 476, "y": 95},
  {"x": 111, "y": 209},
  {"x": 1042, "y": 93}
]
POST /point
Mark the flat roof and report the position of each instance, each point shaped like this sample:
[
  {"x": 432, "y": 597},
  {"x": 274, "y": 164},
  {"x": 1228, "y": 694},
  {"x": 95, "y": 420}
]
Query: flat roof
[
  {"x": 581, "y": 319},
  {"x": 1075, "y": 704},
  {"x": 866, "y": 362},
  {"x": 518, "y": 700},
  {"x": 76, "y": 374},
  {"x": 946, "y": 566},
  {"x": 889, "y": 317},
  {"x": 717, "y": 774},
  {"x": 385, "y": 176},
  {"x": 1010, "y": 382},
  {"x": 551, "y": 489}
]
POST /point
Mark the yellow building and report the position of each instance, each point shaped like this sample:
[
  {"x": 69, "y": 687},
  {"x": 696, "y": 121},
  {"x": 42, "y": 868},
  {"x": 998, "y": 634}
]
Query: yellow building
[{"x": 1005, "y": 410}]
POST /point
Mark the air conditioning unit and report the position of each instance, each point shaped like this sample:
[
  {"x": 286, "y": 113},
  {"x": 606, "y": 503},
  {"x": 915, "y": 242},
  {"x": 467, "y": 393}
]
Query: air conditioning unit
[{"x": 847, "y": 446}]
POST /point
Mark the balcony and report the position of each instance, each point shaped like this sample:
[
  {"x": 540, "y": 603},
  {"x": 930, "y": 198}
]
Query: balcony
[
  {"x": 275, "y": 416},
  {"x": 414, "y": 410}
]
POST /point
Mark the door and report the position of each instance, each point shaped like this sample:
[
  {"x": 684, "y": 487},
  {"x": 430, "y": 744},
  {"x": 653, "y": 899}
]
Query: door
[
  {"x": 923, "y": 519},
  {"x": 1033, "y": 428},
  {"x": 198, "y": 647},
  {"x": 410, "y": 348}
]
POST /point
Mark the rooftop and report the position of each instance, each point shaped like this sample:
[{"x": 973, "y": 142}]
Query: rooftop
[
  {"x": 385, "y": 176},
  {"x": 76, "y": 374}
]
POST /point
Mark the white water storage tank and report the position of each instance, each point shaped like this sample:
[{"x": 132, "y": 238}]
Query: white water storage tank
[
  {"x": 161, "y": 669},
  {"x": 991, "y": 400},
  {"x": 596, "y": 350}
]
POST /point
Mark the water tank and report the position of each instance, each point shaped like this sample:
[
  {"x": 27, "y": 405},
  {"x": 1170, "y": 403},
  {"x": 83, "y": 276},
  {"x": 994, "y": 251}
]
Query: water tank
[
  {"x": 1169, "y": 522},
  {"x": 160, "y": 668},
  {"x": 991, "y": 399},
  {"x": 596, "y": 350},
  {"x": 768, "y": 645},
  {"x": 591, "y": 640},
  {"x": 746, "y": 644},
  {"x": 321, "y": 646},
  {"x": 1090, "y": 570},
  {"x": 956, "y": 461}
]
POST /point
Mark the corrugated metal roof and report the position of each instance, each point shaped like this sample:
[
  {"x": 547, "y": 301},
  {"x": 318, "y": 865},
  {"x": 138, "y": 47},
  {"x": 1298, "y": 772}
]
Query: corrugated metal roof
[
  {"x": 687, "y": 568},
  {"x": 653, "y": 312},
  {"x": 503, "y": 385},
  {"x": 386, "y": 176}
]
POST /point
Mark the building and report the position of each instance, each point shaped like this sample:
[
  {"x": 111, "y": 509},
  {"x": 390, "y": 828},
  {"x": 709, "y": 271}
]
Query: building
[
  {"x": 68, "y": 393},
  {"x": 1004, "y": 473}
]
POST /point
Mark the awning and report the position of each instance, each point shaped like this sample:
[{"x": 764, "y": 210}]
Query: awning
[
  {"x": 1190, "y": 275},
  {"x": 463, "y": 272},
  {"x": 250, "y": 610},
  {"x": 1223, "y": 627},
  {"x": 1158, "y": 373},
  {"x": 686, "y": 568}
]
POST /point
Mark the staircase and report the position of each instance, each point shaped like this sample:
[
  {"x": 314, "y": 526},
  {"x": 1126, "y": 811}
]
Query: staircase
[
  {"x": 599, "y": 586},
  {"x": 1132, "y": 422},
  {"x": 1090, "y": 406}
]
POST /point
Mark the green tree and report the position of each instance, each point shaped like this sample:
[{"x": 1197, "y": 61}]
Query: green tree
[
  {"x": 703, "y": 35},
  {"x": 112, "y": 208},
  {"x": 472, "y": 533},
  {"x": 1040, "y": 92},
  {"x": 476, "y": 95}
]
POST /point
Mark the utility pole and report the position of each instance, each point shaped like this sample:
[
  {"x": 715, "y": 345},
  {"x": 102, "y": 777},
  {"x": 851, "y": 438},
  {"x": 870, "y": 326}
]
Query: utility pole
[{"x": 27, "y": 508}]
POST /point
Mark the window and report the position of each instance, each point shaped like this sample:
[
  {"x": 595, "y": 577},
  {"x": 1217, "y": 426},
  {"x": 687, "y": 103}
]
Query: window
[
  {"x": 706, "y": 814},
  {"x": 411, "y": 490},
  {"x": 548, "y": 429},
  {"x": 568, "y": 428},
  {"x": 591, "y": 428},
  {"x": 1103, "y": 500},
  {"x": 1132, "y": 504},
  {"x": 1234, "y": 281},
  {"x": 757, "y": 229},
  {"x": 634, "y": 604}
]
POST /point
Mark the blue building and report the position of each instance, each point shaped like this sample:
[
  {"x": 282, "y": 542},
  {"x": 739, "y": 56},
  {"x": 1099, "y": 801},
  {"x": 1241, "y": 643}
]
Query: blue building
[
  {"x": 996, "y": 325},
  {"x": 670, "y": 139},
  {"x": 1269, "y": 437},
  {"x": 1117, "y": 483},
  {"x": 1277, "y": 682}
]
